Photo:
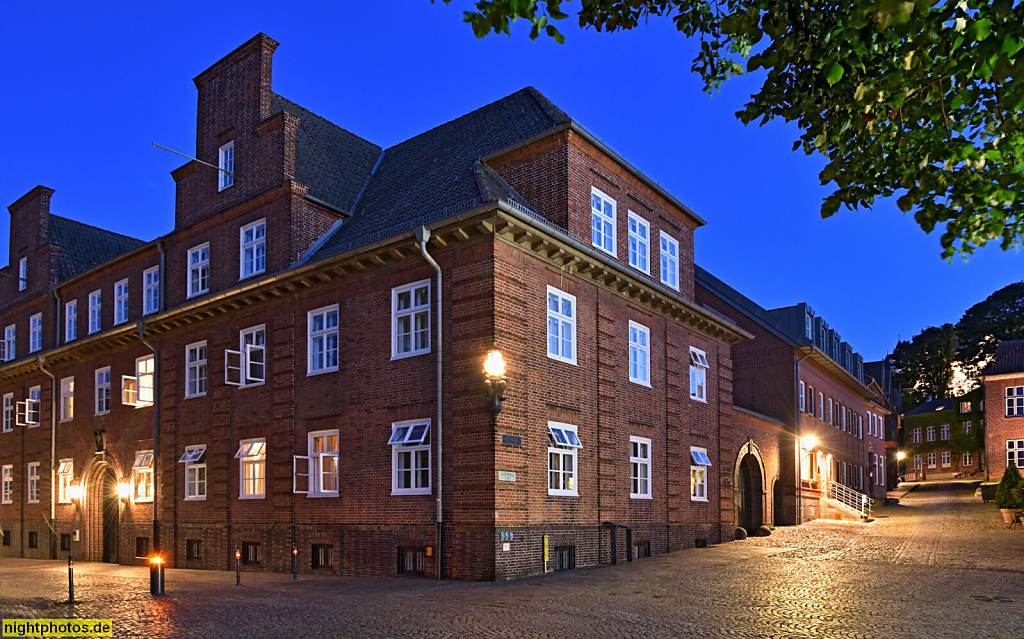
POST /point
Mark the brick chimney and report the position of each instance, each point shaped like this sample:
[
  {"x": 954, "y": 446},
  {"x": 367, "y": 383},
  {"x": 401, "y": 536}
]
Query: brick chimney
[{"x": 30, "y": 229}]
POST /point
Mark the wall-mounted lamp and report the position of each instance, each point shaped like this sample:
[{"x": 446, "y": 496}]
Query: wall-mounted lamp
[
  {"x": 75, "y": 493},
  {"x": 494, "y": 377},
  {"x": 124, "y": 491},
  {"x": 100, "y": 437},
  {"x": 808, "y": 442}
]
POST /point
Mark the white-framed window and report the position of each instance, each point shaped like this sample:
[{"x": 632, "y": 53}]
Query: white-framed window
[
  {"x": 65, "y": 477},
  {"x": 142, "y": 468},
  {"x": 1014, "y": 401},
  {"x": 639, "y": 243},
  {"x": 944, "y": 432},
  {"x": 195, "y": 472},
  {"x": 9, "y": 346},
  {"x": 602, "y": 216},
  {"x": 698, "y": 375},
  {"x": 831, "y": 413},
  {"x": 151, "y": 290},
  {"x": 967, "y": 427},
  {"x": 1015, "y": 452},
  {"x": 410, "y": 457},
  {"x": 410, "y": 319},
  {"x": 803, "y": 397},
  {"x": 639, "y": 468},
  {"x": 32, "y": 406},
  {"x": 35, "y": 332},
  {"x": 967, "y": 460},
  {"x": 67, "y": 399},
  {"x": 226, "y": 166},
  {"x": 929, "y": 433},
  {"x": 322, "y": 325},
  {"x": 917, "y": 462},
  {"x": 22, "y": 273},
  {"x": 699, "y": 465},
  {"x": 252, "y": 468},
  {"x": 137, "y": 390},
  {"x": 7, "y": 484},
  {"x": 8, "y": 415},
  {"x": 95, "y": 311},
  {"x": 561, "y": 326},
  {"x": 253, "y": 249},
  {"x": 915, "y": 436},
  {"x": 669, "y": 261},
  {"x": 33, "y": 483},
  {"x": 639, "y": 354},
  {"x": 71, "y": 321},
  {"x": 103, "y": 391},
  {"x": 321, "y": 476},
  {"x": 195, "y": 369},
  {"x": 821, "y": 405},
  {"x": 931, "y": 460},
  {"x": 199, "y": 270},
  {"x": 121, "y": 302},
  {"x": 871, "y": 424},
  {"x": 563, "y": 444},
  {"x": 860, "y": 426},
  {"x": 248, "y": 365},
  {"x": 947, "y": 459}
]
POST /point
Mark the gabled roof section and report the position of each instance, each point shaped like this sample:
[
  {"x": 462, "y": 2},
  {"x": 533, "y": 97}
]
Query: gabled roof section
[
  {"x": 334, "y": 163},
  {"x": 934, "y": 406},
  {"x": 436, "y": 173},
  {"x": 83, "y": 247},
  {"x": 745, "y": 305},
  {"x": 1009, "y": 358}
]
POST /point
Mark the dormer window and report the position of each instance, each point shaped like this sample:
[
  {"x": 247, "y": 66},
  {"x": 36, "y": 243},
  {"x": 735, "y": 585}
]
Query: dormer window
[
  {"x": 226, "y": 164},
  {"x": 22, "y": 273}
]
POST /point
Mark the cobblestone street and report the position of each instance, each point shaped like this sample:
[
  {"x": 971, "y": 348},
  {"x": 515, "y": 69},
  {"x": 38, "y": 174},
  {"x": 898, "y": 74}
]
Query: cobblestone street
[{"x": 930, "y": 567}]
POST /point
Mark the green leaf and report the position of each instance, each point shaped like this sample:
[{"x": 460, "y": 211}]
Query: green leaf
[
  {"x": 982, "y": 29},
  {"x": 835, "y": 73}
]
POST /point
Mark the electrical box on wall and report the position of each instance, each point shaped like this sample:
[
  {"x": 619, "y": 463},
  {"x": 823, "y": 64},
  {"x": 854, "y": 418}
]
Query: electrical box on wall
[{"x": 76, "y": 536}]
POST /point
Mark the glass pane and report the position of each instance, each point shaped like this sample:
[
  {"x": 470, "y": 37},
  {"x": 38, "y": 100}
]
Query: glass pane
[
  {"x": 573, "y": 439},
  {"x": 421, "y": 296},
  {"x": 559, "y": 436},
  {"x": 567, "y": 308},
  {"x": 416, "y": 434},
  {"x": 552, "y": 302},
  {"x": 403, "y": 300}
]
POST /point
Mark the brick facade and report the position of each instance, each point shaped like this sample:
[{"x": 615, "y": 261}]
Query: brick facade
[{"x": 497, "y": 264}]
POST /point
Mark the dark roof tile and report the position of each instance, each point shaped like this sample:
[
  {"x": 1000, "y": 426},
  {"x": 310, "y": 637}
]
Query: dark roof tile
[
  {"x": 83, "y": 247},
  {"x": 1009, "y": 358}
]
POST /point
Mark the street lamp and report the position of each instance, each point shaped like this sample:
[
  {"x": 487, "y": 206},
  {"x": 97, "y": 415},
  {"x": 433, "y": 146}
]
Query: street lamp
[
  {"x": 124, "y": 491},
  {"x": 900, "y": 456},
  {"x": 494, "y": 377}
]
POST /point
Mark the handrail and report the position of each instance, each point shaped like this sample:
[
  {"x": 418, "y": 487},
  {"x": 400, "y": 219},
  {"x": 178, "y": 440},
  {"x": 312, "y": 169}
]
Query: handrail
[{"x": 850, "y": 498}]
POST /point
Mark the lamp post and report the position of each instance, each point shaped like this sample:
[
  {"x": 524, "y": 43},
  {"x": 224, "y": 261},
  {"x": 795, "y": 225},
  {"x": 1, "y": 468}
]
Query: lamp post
[{"x": 494, "y": 378}]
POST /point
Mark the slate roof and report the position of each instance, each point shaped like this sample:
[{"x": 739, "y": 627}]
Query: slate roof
[
  {"x": 1009, "y": 358},
  {"x": 83, "y": 247},
  {"x": 934, "y": 406},
  {"x": 437, "y": 173},
  {"x": 331, "y": 161}
]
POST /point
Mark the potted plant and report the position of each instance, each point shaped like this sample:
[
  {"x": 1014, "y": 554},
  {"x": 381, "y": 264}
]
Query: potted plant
[{"x": 1007, "y": 499}]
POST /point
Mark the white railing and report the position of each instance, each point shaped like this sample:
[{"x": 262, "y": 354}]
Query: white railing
[{"x": 850, "y": 498}]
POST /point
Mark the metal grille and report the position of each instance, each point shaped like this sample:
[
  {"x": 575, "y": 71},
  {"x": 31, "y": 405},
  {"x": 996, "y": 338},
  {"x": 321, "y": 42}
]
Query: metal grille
[
  {"x": 250, "y": 553},
  {"x": 641, "y": 549},
  {"x": 565, "y": 558},
  {"x": 323, "y": 556},
  {"x": 193, "y": 549},
  {"x": 411, "y": 561}
]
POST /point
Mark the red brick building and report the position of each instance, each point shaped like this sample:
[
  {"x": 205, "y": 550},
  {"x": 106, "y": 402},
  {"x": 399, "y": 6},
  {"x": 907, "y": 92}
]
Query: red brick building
[
  {"x": 801, "y": 388},
  {"x": 300, "y": 361},
  {"x": 1003, "y": 382}
]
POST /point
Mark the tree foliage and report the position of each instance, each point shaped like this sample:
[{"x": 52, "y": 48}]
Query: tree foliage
[
  {"x": 998, "y": 318},
  {"x": 921, "y": 100},
  {"x": 924, "y": 365}
]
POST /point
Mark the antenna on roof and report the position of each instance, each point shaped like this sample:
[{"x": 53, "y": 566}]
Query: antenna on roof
[{"x": 212, "y": 166}]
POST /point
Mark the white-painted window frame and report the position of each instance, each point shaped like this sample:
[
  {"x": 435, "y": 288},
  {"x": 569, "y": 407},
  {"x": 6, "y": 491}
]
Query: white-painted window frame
[
  {"x": 10, "y": 342},
  {"x": 197, "y": 369},
  {"x": 198, "y": 261},
  {"x": 142, "y": 476},
  {"x": 411, "y": 438},
  {"x": 7, "y": 484},
  {"x": 151, "y": 290},
  {"x": 252, "y": 468},
  {"x": 252, "y": 251},
  {"x": 698, "y": 475},
  {"x": 639, "y": 354},
  {"x": 603, "y": 225},
  {"x": 699, "y": 366},
  {"x": 65, "y": 477},
  {"x": 103, "y": 390},
  {"x": 567, "y": 484},
  {"x": 35, "y": 332},
  {"x": 640, "y": 468},
  {"x": 71, "y": 321},
  {"x": 419, "y": 338},
  {"x": 326, "y": 334},
  {"x": 95, "y": 311},
  {"x": 560, "y": 322},
  {"x": 7, "y": 423},
  {"x": 226, "y": 166},
  {"x": 23, "y": 274},
  {"x": 67, "y": 399},
  {"x": 669, "y": 252},
  {"x": 32, "y": 494},
  {"x": 639, "y": 232},
  {"x": 121, "y": 310}
]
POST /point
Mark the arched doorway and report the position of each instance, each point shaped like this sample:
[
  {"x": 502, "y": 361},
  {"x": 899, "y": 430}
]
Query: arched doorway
[
  {"x": 749, "y": 495},
  {"x": 104, "y": 516}
]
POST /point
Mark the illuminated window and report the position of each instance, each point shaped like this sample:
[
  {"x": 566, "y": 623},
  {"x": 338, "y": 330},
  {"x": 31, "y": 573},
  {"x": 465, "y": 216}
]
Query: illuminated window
[
  {"x": 65, "y": 477},
  {"x": 143, "y": 470},
  {"x": 321, "y": 465},
  {"x": 7, "y": 484},
  {"x": 252, "y": 468},
  {"x": 563, "y": 443},
  {"x": 67, "y": 399},
  {"x": 700, "y": 462}
]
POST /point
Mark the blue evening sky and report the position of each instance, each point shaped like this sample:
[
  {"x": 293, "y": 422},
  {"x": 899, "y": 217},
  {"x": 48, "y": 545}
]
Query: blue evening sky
[{"x": 87, "y": 88}]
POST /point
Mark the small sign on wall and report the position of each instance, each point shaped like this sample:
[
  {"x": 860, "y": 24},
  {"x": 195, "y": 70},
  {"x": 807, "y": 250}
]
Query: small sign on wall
[
  {"x": 506, "y": 546},
  {"x": 506, "y": 475}
]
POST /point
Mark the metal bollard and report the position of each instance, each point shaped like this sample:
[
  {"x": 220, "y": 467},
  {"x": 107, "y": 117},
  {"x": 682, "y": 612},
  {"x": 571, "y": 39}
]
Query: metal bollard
[
  {"x": 156, "y": 575},
  {"x": 295, "y": 563},
  {"x": 71, "y": 579},
  {"x": 238, "y": 566}
]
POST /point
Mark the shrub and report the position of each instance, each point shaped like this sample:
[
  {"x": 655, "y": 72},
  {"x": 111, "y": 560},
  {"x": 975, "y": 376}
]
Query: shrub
[{"x": 1006, "y": 497}]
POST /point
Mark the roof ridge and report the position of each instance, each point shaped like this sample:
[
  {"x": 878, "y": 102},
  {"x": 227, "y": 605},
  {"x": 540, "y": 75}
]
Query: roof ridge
[
  {"x": 325, "y": 120},
  {"x": 552, "y": 110},
  {"x": 97, "y": 228}
]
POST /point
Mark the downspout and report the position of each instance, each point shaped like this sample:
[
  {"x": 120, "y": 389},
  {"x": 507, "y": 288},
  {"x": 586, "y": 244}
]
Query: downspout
[
  {"x": 799, "y": 443},
  {"x": 53, "y": 455},
  {"x": 156, "y": 418},
  {"x": 422, "y": 236}
]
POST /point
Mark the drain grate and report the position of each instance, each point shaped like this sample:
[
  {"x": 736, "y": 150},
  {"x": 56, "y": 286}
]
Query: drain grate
[{"x": 994, "y": 599}]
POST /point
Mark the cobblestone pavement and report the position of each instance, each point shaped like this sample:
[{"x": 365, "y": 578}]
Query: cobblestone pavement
[{"x": 913, "y": 572}]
